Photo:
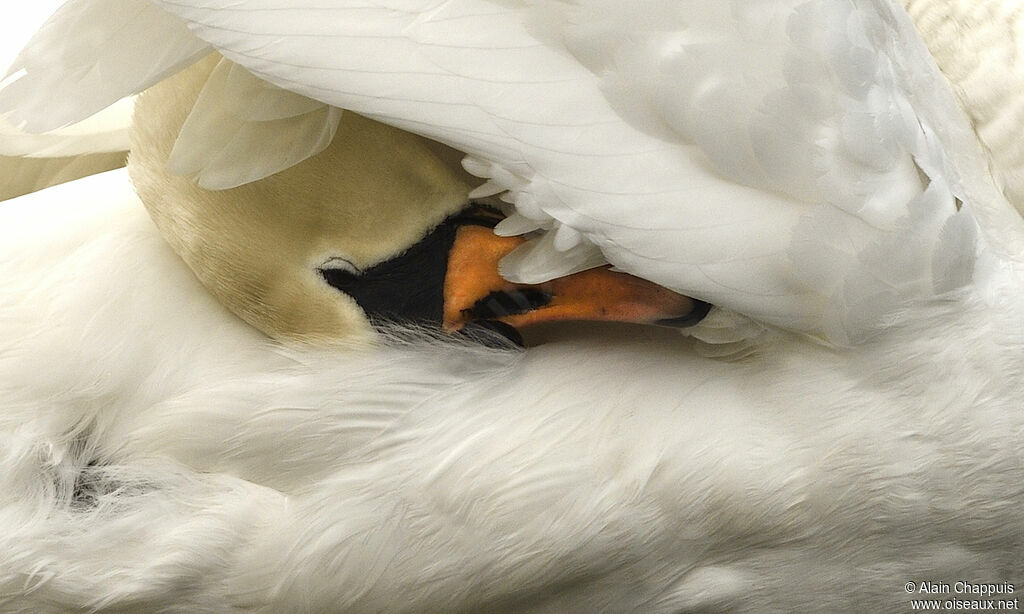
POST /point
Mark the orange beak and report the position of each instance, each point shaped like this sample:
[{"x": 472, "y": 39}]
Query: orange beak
[{"x": 473, "y": 290}]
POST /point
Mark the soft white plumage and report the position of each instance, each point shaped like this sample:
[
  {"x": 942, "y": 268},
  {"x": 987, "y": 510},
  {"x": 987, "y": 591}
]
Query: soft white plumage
[{"x": 236, "y": 474}]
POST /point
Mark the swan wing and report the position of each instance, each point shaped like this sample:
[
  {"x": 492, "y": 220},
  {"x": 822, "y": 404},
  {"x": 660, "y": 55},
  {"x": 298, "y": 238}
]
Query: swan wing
[
  {"x": 106, "y": 132},
  {"x": 88, "y": 55},
  {"x": 29, "y": 161},
  {"x": 18, "y": 26},
  {"x": 785, "y": 159},
  {"x": 790, "y": 160},
  {"x": 978, "y": 46}
]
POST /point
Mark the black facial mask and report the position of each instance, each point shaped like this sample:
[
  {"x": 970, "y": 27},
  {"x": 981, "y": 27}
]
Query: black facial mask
[{"x": 410, "y": 286}]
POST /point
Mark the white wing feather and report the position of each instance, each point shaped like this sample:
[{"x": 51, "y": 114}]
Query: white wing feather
[
  {"x": 91, "y": 54},
  {"x": 107, "y": 131},
  {"x": 243, "y": 129},
  {"x": 19, "y": 25},
  {"x": 762, "y": 155},
  {"x": 775, "y": 157},
  {"x": 980, "y": 46}
]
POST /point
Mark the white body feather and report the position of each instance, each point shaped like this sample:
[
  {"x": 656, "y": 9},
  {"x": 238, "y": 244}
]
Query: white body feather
[{"x": 239, "y": 476}]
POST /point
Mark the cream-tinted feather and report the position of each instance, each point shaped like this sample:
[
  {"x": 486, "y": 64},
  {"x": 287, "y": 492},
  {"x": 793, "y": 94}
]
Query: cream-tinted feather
[
  {"x": 978, "y": 44},
  {"x": 20, "y": 175},
  {"x": 243, "y": 129},
  {"x": 107, "y": 131}
]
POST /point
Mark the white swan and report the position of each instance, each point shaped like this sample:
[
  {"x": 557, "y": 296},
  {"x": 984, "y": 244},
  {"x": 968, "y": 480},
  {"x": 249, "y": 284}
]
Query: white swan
[
  {"x": 388, "y": 237},
  {"x": 232, "y": 474},
  {"x": 832, "y": 140}
]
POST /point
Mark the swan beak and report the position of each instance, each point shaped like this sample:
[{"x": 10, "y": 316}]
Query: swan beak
[{"x": 474, "y": 291}]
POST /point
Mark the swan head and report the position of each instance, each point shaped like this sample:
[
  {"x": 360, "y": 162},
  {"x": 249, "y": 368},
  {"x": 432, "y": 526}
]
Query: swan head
[{"x": 377, "y": 227}]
